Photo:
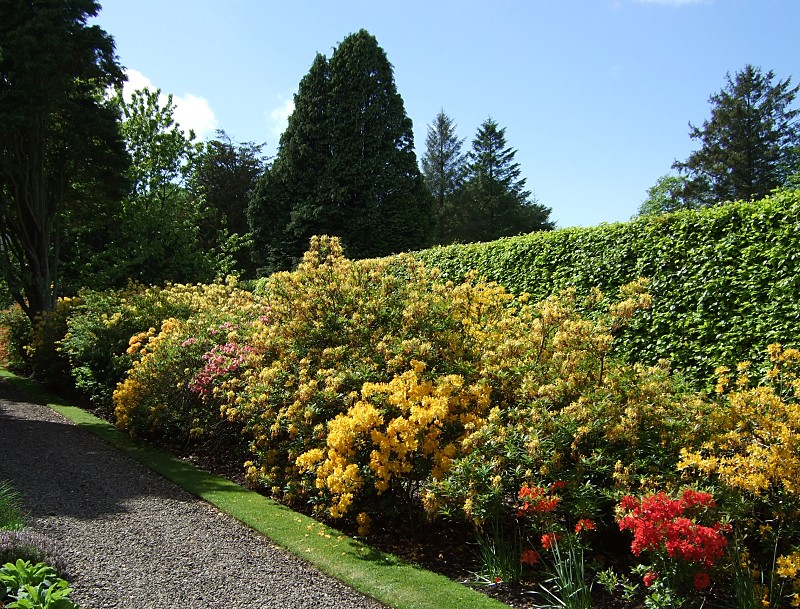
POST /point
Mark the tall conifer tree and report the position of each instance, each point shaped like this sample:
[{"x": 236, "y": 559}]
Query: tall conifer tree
[
  {"x": 444, "y": 167},
  {"x": 751, "y": 143},
  {"x": 494, "y": 202},
  {"x": 346, "y": 164}
]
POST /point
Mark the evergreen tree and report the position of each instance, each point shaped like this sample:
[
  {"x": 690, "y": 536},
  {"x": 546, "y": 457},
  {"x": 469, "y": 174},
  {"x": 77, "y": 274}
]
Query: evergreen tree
[
  {"x": 750, "y": 143},
  {"x": 494, "y": 202},
  {"x": 345, "y": 166},
  {"x": 290, "y": 201},
  {"x": 443, "y": 167}
]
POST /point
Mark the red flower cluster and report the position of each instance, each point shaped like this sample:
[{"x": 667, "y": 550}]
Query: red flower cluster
[
  {"x": 701, "y": 580},
  {"x": 585, "y": 524},
  {"x": 536, "y": 500},
  {"x": 549, "y": 540},
  {"x": 659, "y": 522},
  {"x": 529, "y": 557}
]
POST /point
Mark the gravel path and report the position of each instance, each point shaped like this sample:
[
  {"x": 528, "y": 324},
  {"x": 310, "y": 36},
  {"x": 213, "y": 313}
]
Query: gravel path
[{"x": 134, "y": 540}]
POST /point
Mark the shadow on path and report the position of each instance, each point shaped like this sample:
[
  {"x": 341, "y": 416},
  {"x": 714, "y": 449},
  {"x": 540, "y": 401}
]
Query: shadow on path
[{"x": 64, "y": 470}]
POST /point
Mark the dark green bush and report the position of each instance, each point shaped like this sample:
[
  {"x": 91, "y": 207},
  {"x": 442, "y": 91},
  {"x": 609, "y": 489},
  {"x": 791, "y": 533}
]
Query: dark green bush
[{"x": 17, "y": 336}]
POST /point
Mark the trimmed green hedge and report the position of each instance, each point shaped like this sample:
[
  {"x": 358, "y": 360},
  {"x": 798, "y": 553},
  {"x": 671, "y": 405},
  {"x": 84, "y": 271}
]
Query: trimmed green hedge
[{"x": 725, "y": 280}]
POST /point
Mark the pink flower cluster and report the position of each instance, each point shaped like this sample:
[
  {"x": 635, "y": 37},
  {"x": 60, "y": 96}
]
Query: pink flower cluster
[{"x": 221, "y": 360}]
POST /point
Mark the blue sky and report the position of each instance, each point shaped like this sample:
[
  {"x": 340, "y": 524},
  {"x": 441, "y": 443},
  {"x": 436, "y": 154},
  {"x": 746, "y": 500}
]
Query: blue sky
[{"x": 595, "y": 95}]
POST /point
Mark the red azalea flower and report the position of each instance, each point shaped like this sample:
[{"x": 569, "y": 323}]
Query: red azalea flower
[
  {"x": 701, "y": 581},
  {"x": 529, "y": 557},
  {"x": 549, "y": 540},
  {"x": 649, "y": 578},
  {"x": 585, "y": 524}
]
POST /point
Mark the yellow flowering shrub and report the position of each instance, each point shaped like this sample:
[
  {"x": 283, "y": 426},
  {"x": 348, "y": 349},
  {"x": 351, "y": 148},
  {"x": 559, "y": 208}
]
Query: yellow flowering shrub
[
  {"x": 45, "y": 356},
  {"x": 366, "y": 375},
  {"x": 168, "y": 394},
  {"x": 573, "y": 414},
  {"x": 753, "y": 442}
]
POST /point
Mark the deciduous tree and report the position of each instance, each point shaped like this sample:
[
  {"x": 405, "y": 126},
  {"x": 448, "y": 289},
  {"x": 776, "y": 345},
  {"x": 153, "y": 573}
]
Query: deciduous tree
[
  {"x": 223, "y": 176},
  {"x": 668, "y": 194},
  {"x": 60, "y": 150}
]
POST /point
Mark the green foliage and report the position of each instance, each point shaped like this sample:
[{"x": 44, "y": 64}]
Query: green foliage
[
  {"x": 667, "y": 195},
  {"x": 11, "y": 517},
  {"x": 567, "y": 585},
  {"x": 155, "y": 236},
  {"x": 47, "y": 362},
  {"x": 24, "y": 585},
  {"x": 444, "y": 167},
  {"x": 492, "y": 201},
  {"x": 167, "y": 395},
  {"x": 61, "y": 149},
  {"x": 16, "y": 336},
  {"x": 749, "y": 145},
  {"x": 98, "y": 331},
  {"x": 346, "y": 165},
  {"x": 723, "y": 280},
  {"x": 224, "y": 174}
]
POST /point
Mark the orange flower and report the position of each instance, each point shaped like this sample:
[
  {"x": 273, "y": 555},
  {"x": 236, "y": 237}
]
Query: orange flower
[
  {"x": 585, "y": 524},
  {"x": 549, "y": 540}
]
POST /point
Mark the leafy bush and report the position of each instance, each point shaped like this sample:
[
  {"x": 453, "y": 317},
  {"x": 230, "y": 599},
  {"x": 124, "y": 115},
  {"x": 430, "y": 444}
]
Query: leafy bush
[
  {"x": 24, "y": 585},
  {"x": 47, "y": 361},
  {"x": 99, "y": 329},
  {"x": 17, "y": 331},
  {"x": 724, "y": 280}
]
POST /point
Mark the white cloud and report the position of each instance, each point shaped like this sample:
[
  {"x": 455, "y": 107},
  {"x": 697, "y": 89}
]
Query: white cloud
[
  {"x": 279, "y": 118},
  {"x": 191, "y": 111}
]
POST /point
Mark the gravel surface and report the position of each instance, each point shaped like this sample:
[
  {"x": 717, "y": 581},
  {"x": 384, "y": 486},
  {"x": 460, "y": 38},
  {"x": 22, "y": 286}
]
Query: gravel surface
[{"x": 134, "y": 540}]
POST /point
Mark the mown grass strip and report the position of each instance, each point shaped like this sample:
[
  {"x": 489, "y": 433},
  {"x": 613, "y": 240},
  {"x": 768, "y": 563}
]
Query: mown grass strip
[{"x": 382, "y": 576}]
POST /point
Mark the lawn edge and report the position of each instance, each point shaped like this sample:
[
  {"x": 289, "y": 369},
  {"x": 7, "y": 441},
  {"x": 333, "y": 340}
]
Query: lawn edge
[{"x": 382, "y": 576}]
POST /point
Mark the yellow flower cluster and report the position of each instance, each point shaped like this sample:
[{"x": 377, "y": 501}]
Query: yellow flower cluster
[
  {"x": 401, "y": 425},
  {"x": 754, "y": 439}
]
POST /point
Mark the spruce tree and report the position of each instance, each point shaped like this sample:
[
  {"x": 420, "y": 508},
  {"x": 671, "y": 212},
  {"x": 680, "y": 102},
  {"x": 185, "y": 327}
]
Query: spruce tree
[
  {"x": 443, "y": 167},
  {"x": 494, "y": 202},
  {"x": 750, "y": 143}
]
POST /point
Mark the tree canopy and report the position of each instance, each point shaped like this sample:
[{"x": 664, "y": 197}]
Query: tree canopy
[
  {"x": 60, "y": 150},
  {"x": 345, "y": 165},
  {"x": 750, "y": 145},
  {"x": 223, "y": 176},
  {"x": 668, "y": 194}
]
